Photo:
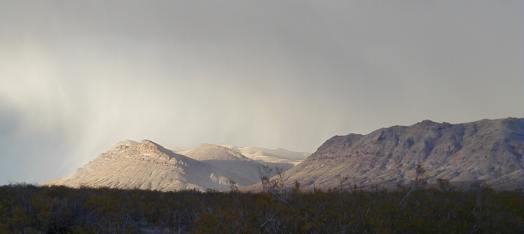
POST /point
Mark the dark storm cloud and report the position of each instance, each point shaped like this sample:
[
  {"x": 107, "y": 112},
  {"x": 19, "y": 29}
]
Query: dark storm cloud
[{"x": 75, "y": 77}]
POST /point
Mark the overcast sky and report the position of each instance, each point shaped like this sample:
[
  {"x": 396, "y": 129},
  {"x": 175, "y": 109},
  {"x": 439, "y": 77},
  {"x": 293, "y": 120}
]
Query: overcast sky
[{"x": 77, "y": 77}]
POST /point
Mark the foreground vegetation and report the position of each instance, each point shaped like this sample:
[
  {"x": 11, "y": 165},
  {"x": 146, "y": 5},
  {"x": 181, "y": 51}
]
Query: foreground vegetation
[{"x": 31, "y": 209}]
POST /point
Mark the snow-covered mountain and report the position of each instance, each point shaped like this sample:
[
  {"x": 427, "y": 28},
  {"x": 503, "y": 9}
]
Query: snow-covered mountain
[
  {"x": 272, "y": 155},
  {"x": 244, "y": 170},
  {"x": 146, "y": 165},
  {"x": 260, "y": 154},
  {"x": 487, "y": 151},
  {"x": 213, "y": 152}
]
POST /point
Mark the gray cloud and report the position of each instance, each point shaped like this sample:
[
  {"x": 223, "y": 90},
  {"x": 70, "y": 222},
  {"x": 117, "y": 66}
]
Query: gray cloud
[{"x": 77, "y": 77}]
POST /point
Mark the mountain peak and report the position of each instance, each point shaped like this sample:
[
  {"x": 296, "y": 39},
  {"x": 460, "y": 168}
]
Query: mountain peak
[
  {"x": 126, "y": 142},
  {"x": 425, "y": 123},
  {"x": 148, "y": 144},
  {"x": 214, "y": 152}
]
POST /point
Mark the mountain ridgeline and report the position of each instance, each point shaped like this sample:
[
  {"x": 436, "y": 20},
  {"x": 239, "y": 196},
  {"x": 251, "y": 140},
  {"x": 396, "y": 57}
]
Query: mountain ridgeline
[
  {"x": 147, "y": 165},
  {"x": 483, "y": 153}
]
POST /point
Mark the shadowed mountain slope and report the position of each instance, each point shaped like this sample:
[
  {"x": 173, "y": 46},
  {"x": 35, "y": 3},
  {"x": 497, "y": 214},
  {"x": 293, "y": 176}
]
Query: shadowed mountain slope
[{"x": 487, "y": 151}]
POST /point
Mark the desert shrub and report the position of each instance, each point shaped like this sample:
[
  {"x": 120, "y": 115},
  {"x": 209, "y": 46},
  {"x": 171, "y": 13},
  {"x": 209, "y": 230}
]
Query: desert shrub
[{"x": 26, "y": 208}]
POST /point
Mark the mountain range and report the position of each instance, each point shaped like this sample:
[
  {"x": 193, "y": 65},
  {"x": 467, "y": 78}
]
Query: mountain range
[
  {"x": 485, "y": 152},
  {"x": 148, "y": 165}
]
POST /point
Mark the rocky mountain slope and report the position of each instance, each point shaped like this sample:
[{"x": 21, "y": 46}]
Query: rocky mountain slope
[
  {"x": 146, "y": 165},
  {"x": 487, "y": 151}
]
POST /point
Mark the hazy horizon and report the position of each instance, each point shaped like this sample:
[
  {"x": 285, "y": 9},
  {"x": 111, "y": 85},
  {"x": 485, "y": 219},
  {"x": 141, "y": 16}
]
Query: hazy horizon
[{"x": 75, "y": 78}]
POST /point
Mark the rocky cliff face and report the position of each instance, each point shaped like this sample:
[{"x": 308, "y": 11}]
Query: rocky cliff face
[{"x": 486, "y": 151}]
